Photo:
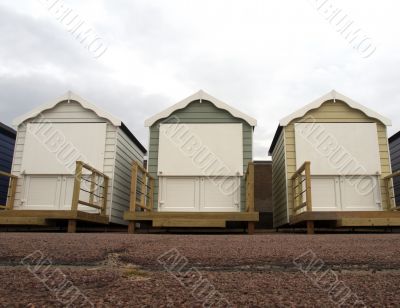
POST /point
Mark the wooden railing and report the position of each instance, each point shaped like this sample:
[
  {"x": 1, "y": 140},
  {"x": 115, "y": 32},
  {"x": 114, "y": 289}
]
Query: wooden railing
[
  {"x": 301, "y": 188},
  {"x": 390, "y": 185},
  {"x": 12, "y": 187},
  {"x": 97, "y": 188},
  {"x": 142, "y": 189},
  {"x": 249, "y": 178}
]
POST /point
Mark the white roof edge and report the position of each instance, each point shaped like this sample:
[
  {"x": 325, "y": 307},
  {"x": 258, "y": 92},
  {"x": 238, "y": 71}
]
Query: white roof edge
[
  {"x": 200, "y": 95},
  {"x": 69, "y": 96},
  {"x": 334, "y": 95}
]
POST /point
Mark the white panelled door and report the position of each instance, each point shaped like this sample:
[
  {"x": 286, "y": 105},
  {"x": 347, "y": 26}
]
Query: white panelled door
[
  {"x": 345, "y": 193},
  {"x": 199, "y": 194}
]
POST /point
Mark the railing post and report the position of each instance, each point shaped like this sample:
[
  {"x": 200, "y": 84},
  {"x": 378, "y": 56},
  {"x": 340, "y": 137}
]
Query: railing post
[
  {"x": 308, "y": 186},
  {"x": 151, "y": 193},
  {"x": 77, "y": 186},
  {"x": 12, "y": 190},
  {"x": 143, "y": 189},
  {"x": 250, "y": 187},
  {"x": 132, "y": 206},
  {"x": 105, "y": 193}
]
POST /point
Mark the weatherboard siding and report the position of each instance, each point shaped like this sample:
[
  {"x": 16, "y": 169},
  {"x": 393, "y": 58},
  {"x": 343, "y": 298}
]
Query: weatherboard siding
[
  {"x": 126, "y": 153},
  {"x": 395, "y": 160},
  {"x": 7, "y": 144},
  {"x": 279, "y": 184},
  {"x": 204, "y": 112}
]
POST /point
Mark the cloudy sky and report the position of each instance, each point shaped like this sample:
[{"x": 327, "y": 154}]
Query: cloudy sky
[{"x": 266, "y": 58}]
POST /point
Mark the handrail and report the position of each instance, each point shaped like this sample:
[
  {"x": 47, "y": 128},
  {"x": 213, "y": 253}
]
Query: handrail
[
  {"x": 11, "y": 191},
  {"x": 303, "y": 174},
  {"x": 142, "y": 185},
  {"x": 249, "y": 178},
  {"x": 98, "y": 188},
  {"x": 390, "y": 191}
]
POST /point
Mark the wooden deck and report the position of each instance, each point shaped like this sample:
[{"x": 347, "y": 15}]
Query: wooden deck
[
  {"x": 350, "y": 218},
  {"x": 43, "y": 217},
  {"x": 142, "y": 206},
  {"x": 98, "y": 187},
  {"x": 303, "y": 213},
  {"x": 191, "y": 219}
]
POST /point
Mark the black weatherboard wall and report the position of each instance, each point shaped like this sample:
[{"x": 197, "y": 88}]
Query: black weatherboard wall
[
  {"x": 394, "y": 145},
  {"x": 7, "y": 143}
]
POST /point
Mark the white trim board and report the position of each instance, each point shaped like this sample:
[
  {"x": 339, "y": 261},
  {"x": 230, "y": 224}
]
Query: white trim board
[
  {"x": 69, "y": 96},
  {"x": 333, "y": 95},
  {"x": 200, "y": 95}
]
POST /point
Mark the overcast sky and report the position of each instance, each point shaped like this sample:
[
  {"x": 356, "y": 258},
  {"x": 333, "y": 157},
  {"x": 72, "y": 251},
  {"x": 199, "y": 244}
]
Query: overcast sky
[{"x": 265, "y": 58}]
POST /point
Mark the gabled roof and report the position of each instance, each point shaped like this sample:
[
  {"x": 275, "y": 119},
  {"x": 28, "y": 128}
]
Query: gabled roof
[
  {"x": 200, "y": 95},
  {"x": 70, "y": 96},
  {"x": 332, "y": 95},
  {"x": 335, "y": 96}
]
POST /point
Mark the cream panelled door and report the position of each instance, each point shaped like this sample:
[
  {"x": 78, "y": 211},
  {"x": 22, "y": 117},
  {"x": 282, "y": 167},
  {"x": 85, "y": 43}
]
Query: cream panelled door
[{"x": 199, "y": 194}]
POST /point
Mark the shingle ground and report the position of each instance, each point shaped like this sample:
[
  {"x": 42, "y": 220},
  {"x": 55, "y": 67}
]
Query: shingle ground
[{"x": 263, "y": 270}]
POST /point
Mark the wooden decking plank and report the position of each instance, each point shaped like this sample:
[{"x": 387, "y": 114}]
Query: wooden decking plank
[
  {"x": 54, "y": 214},
  {"x": 228, "y": 216},
  {"x": 36, "y": 221},
  {"x": 346, "y": 215},
  {"x": 168, "y": 222}
]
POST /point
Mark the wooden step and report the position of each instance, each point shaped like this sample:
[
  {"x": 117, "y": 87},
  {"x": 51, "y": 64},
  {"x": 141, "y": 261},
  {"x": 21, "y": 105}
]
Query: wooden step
[
  {"x": 368, "y": 222},
  {"x": 29, "y": 221},
  {"x": 181, "y": 222}
]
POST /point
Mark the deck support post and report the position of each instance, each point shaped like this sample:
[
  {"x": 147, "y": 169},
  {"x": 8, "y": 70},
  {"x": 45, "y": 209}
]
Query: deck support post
[
  {"x": 310, "y": 227},
  {"x": 250, "y": 227},
  {"x": 131, "y": 227},
  {"x": 72, "y": 226}
]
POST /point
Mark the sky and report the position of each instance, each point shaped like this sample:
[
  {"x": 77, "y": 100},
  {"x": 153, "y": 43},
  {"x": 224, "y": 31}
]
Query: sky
[{"x": 265, "y": 58}]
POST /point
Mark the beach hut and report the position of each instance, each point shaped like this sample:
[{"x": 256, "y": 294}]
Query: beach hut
[
  {"x": 394, "y": 145},
  {"x": 72, "y": 161},
  {"x": 331, "y": 164},
  {"x": 7, "y": 142},
  {"x": 200, "y": 171}
]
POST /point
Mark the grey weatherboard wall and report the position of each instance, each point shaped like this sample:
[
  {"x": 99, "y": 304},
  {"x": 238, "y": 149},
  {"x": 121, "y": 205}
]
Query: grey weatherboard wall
[
  {"x": 394, "y": 145},
  {"x": 7, "y": 144},
  {"x": 204, "y": 112}
]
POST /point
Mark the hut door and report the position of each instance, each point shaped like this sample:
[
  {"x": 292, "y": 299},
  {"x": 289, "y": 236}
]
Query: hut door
[{"x": 199, "y": 194}]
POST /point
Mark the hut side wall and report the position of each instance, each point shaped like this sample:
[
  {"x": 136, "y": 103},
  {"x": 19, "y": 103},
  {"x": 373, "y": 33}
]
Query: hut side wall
[
  {"x": 279, "y": 188},
  {"x": 126, "y": 152},
  {"x": 204, "y": 112},
  {"x": 394, "y": 144},
  {"x": 7, "y": 143}
]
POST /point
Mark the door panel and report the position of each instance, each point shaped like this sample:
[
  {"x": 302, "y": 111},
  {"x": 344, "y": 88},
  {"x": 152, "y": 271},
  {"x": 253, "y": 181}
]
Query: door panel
[
  {"x": 325, "y": 194},
  {"x": 360, "y": 193},
  {"x": 42, "y": 192},
  {"x": 179, "y": 194},
  {"x": 219, "y": 194}
]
